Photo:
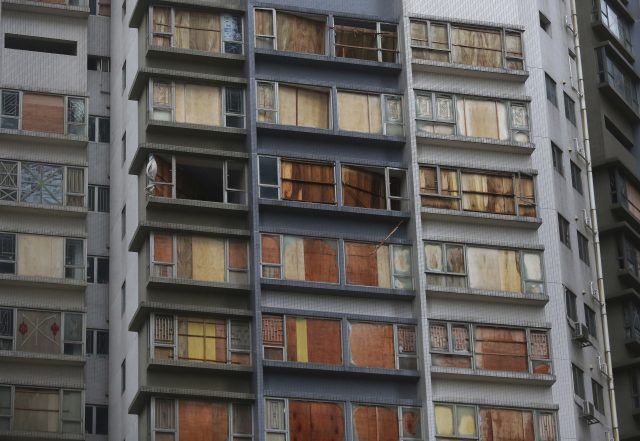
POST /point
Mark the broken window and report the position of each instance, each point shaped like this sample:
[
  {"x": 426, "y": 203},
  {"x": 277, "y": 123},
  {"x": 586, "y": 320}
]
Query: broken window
[
  {"x": 197, "y": 104},
  {"x": 199, "y": 339},
  {"x": 478, "y": 191},
  {"x": 198, "y": 179},
  {"x": 207, "y": 259},
  {"x": 292, "y": 32},
  {"x": 457, "y": 265},
  {"x": 184, "y": 420},
  {"x": 374, "y": 187},
  {"x": 366, "y": 40},
  {"x": 293, "y": 105},
  {"x": 304, "y": 420},
  {"x": 473, "y": 117},
  {"x": 10, "y": 109},
  {"x": 297, "y": 180},
  {"x": 196, "y": 30},
  {"x": 382, "y": 345},
  {"x": 475, "y": 46},
  {"x": 370, "y": 113},
  {"x": 305, "y": 340},
  {"x": 460, "y": 345},
  {"x": 299, "y": 258},
  {"x": 384, "y": 266}
]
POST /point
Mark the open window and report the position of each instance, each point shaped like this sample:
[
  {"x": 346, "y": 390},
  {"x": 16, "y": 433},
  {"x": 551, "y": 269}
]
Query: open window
[
  {"x": 382, "y": 345},
  {"x": 302, "y": 340},
  {"x": 305, "y": 420},
  {"x": 299, "y": 258},
  {"x": 506, "y": 270},
  {"x": 200, "y": 179},
  {"x": 205, "y": 420},
  {"x": 200, "y": 104},
  {"x": 370, "y": 113},
  {"x": 209, "y": 340},
  {"x": 478, "y": 191},
  {"x": 474, "y": 117},
  {"x": 492, "y": 348},
  {"x": 290, "y": 31},
  {"x": 366, "y": 40},
  {"x": 196, "y": 30},
  {"x": 374, "y": 187},
  {"x": 201, "y": 258},
  {"x": 297, "y": 180},
  {"x": 294, "y": 105},
  {"x": 384, "y": 266}
]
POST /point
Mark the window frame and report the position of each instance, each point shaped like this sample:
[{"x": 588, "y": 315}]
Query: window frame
[
  {"x": 557, "y": 158},
  {"x": 85, "y": 117},
  {"x": 577, "y": 375},
  {"x": 95, "y": 136},
  {"x": 94, "y": 198},
  {"x": 273, "y": 38},
  {"x": 379, "y": 31},
  {"x": 17, "y": 117},
  {"x": 92, "y": 347},
  {"x": 81, "y": 266},
  {"x": 396, "y": 343},
  {"x": 14, "y": 262},
  {"x": 389, "y": 199},
  {"x": 597, "y": 394},
  {"x": 551, "y": 89},
  {"x": 571, "y": 305},
  {"x": 603, "y": 16},
  {"x": 385, "y": 120},
  {"x": 392, "y": 274},
  {"x": 96, "y": 269},
  {"x": 591, "y": 321},
  {"x": 93, "y": 408},
  {"x": 576, "y": 177},
  {"x": 583, "y": 248},
  {"x": 564, "y": 230},
  {"x": 570, "y": 109},
  {"x": 276, "y": 101}
]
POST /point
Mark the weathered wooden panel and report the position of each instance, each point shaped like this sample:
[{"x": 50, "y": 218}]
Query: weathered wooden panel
[
  {"x": 43, "y": 113},
  {"x": 372, "y": 345}
]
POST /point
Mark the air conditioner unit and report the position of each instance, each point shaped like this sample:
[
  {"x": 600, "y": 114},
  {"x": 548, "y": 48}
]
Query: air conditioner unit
[
  {"x": 588, "y": 413},
  {"x": 581, "y": 335},
  {"x": 602, "y": 365}
]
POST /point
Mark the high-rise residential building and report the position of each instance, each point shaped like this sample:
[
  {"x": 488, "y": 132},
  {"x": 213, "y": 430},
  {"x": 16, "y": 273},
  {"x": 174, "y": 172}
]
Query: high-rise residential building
[
  {"x": 610, "y": 43},
  {"x": 306, "y": 221},
  {"x": 54, "y": 219}
]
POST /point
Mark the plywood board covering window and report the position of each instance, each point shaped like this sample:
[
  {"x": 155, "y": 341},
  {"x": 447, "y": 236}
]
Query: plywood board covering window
[
  {"x": 359, "y": 112},
  {"x": 202, "y": 420},
  {"x": 300, "y": 33},
  {"x": 315, "y": 421},
  {"x": 43, "y": 113},
  {"x": 375, "y": 423},
  {"x": 362, "y": 187},
  {"x": 314, "y": 340},
  {"x": 307, "y": 181},
  {"x": 198, "y": 104},
  {"x": 41, "y": 256},
  {"x": 364, "y": 40},
  {"x": 197, "y": 30},
  {"x": 372, "y": 345},
  {"x": 476, "y": 47},
  {"x": 303, "y": 107},
  {"x": 385, "y": 266}
]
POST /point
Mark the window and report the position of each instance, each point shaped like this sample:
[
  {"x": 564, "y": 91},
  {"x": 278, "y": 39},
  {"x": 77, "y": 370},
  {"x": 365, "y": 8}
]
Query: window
[
  {"x": 27, "y": 409},
  {"x": 100, "y": 7},
  {"x": 384, "y": 266},
  {"x": 7, "y": 332},
  {"x": 477, "y": 191},
  {"x": 545, "y": 23},
  {"x": 565, "y": 231},
  {"x": 578, "y": 381},
  {"x": 123, "y": 376},
  {"x": 282, "y": 414},
  {"x": 297, "y": 180},
  {"x": 196, "y": 30},
  {"x": 446, "y": 114},
  {"x": 299, "y": 258},
  {"x": 97, "y": 269},
  {"x": 382, "y": 345},
  {"x": 97, "y": 342},
  {"x": 210, "y": 340},
  {"x": 598, "y": 396},
  {"x": 573, "y": 70},
  {"x": 197, "y": 104},
  {"x": 99, "y": 193},
  {"x": 99, "y": 129},
  {"x": 618, "y": 134},
  {"x": 366, "y": 40},
  {"x": 7, "y": 253},
  {"x": 185, "y": 420},
  {"x": 372, "y": 423},
  {"x": 615, "y": 23},
  {"x": 10, "y": 111},
  {"x": 202, "y": 258},
  {"x": 552, "y": 94},
  {"x": 556, "y": 155},
  {"x": 488, "y": 269},
  {"x": 613, "y": 73},
  {"x": 76, "y": 116},
  {"x": 468, "y": 45},
  {"x": 294, "y": 105},
  {"x": 576, "y": 177},
  {"x": 571, "y": 305},
  {"x": 493, "y": 424},
  {"x": 290, "y": 31},
  {"x": 583, "y": 247},
  {"x": 96, "y": 419},
  {"x": 634, "y": 373},
  {"x": 370, "y": 113},
  {"x": 632, "y": 320},
  {"x": 374, "y": 187},
  {"x": 199, "y": 179},
  {"x": 462, "y": 345},
  {"x": 569, "y": 109},
  {"x": 100, "y": 64},
  {"x": 302, "y": 340},
  {"x": 590, "y": 321},
  {"x": 74, "y": 260}
]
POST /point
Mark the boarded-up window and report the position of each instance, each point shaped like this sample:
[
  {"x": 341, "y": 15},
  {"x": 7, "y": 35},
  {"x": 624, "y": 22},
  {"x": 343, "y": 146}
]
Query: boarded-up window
[
  {"x": 198, "y": 104},
  {"x": 204, "y": 421},
  {"x": 385, "y": 266},
  {"x": 197, "y": 30},
  {"x": 450, "y": 345},
  {"x": 307, "y": 181},
  {"x": 375, "y": 423},
  {"x": 359, "y": 112},
  {"x": 434, "y": 113},
  {"x": 314, "y": 260},
  {"x": 36, "y": 410},
  {"x": 315, "y": 421},
  {"x": 38, "y": 331},
  {"x": 445, "y": 264},
  {"x": 501, "y": 349},
  {"x": 539, "y": 352},
  {"x": 314, "y": 340},
  {"x": 363, "y": 187},
  {"x": 506, "y": 425},
  {"x": 40, "y": 256},
  {"x": 366, "y": 40},
  {"x": 273, "y": 337},
  {"x": 439, "y": 187},
  {"x": 300, "y": 33},
  {"x": 43, "y": 113},
  {"x": 372, "y": 345},
  {"x": 202, "y": 340},
  {"x": 476, "y": 47},
  {"x": 304, "y": 107},
  {"x": 480, "y": 118},
  {"x": 429, "y": 41}
]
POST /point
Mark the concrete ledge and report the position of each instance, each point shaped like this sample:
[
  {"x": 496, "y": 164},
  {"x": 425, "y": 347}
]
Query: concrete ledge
[
  {"x": 355, "y": 212},
  {"x": 485, "y": 376},
  {"x": 341, "y": 370},
  {"x": 144, "y": 228},
  {"x": 532, "y": 223},
  {"x": 52, "y": 210},
  {"x": 39, "y": 436},
  {"x": 51, "y": 138},
  {"x": 333, "y": 134},
  {"x": 193, "y": 55},
  {"x": 193, "y": 205},
  {"x": 328, "y": 61},
  {"x": 200, "y": 129},
  {"x": 46, "y": 8},
  {"x": 470, "y": 294},
  {"x": 182, "y": 366},
  {"x": 482, "y": 144},
  {"x": 144, "y": 393},
  {"x": 519, "y": 76},
  {"x": 49, "y": 359},
  {"x": 337, "y": 289},
  {"x": 43, "y": 282}
]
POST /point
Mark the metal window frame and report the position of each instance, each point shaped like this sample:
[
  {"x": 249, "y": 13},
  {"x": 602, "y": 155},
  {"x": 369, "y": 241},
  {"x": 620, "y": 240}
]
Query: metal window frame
[
  {"x": 242, "y": 115},
  {"x": 434, "y": 120},
  {"x": 17, "y": 179},
  {"x": 172, "y": 29},
  {"x": 83, "y": 261},
  {"x": 285, "y": 410},
  {"x": 297, "y": 160},
  {"x": 63, "y": 331},
  {"x": 443, "y": 246},
  {"x": 578, "y": 381},
  {"x": 223, "y": 40},
  {"x": 454, "y": 415},
  {"x": 13, "y": 337},
  {"x": 85, "y": 118},
  {"x": 176, "y": 420},
  {"x": 15, "y": 251},
  {"x": 392, "y": 267},
  {"x": 583, "y": 248},
  {"x": 20, "y": 104},
  {"x": 396, "y": 346},
  {"x": 270, "y": 110},
  {"x": 403, "y": 200},
  {"x": 285, "y": 355},
  {"x": 95, "y": 268},
  {"x": 386, "y": 122},
  {"x": 96, "y": 128},
  {"x": 390, "y": 262},
  {"x": 378, "y": 30},
  {"x": 262, "y": 37},
  {"x": 401, "y": 410},
  {"x": 276, "y": 85}
]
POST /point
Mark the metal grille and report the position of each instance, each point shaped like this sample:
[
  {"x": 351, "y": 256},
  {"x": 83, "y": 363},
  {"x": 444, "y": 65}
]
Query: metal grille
[
  {"x": 439, "y": 337},
  {"x": 164, "y": 330},
  {"x": 272, "y": 330},
  {"x": 8, "y": 181},
  {"x": 6, "y": 322},
  {"x": 240, "y": 338},
  {"x": 460, "y": 338},
  {"x": 406, "y": 340},
  {"x": 539, "y": 345}
]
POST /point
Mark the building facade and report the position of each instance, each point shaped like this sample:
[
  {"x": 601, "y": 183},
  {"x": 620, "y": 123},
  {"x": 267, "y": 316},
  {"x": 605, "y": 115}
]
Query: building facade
[
  {"x": 332, "y": 221},
  {"x": 610, "y": 42}
]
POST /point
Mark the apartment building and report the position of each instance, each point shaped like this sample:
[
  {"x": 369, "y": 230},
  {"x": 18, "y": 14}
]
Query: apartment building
[
  {"x": 330, "y": 221},
  {"x": 54, "y": 223},
  {"x": 610, "y": 44}
]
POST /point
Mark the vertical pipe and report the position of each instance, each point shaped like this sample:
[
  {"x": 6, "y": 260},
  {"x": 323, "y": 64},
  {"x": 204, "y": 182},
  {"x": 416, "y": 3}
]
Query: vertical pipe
[{"x": 594, "y": 223}]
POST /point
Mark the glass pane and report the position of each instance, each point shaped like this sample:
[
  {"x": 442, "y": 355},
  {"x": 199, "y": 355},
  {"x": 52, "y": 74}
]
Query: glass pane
[
  {"x": 466, "y": 421},
  {"x": 424, "y": 107},
  {"x": 444, "y": 108},
  {"x": 411, "y": 427},
  {"x": 6, "y": 322},
  {"x": 455, "y": 259},
  {"x": 102, "y": 342},
  {"x": 268, "y": 170},
  {"x": 5, "y": 401},
  {"x": 76, "y": 110},
  {"x": 102, "y": 420},
  {"x": 92, "y": 128},
  {"x": 234, "y": 100},
  {"x": 532, "y": 266},
  {"x": 73, "y": 327},
  {"x": 519, "y": 117},
  {"x": 103, "y": 129},
  {"x": 41, "y": 184},
  {"x": 240, "y": 336},
  {"x": 433, "y": 256},
  {"x": 444, "y": 420}
]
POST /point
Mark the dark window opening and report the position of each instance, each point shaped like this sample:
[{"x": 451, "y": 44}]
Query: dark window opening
[
  {"x": 545, "y": 23},
  {"x": 617, "y": 134},
  {"x": 37, "y": 44}
]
